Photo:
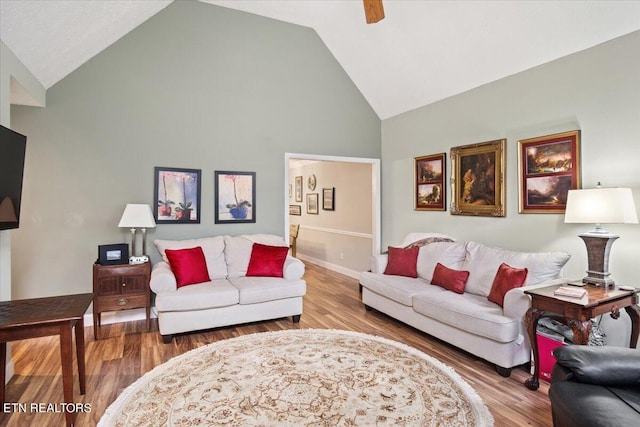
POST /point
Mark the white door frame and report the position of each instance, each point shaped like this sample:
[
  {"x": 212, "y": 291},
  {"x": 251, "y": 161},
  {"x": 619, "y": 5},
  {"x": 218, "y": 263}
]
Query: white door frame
[{"x": 375, "y": 186}]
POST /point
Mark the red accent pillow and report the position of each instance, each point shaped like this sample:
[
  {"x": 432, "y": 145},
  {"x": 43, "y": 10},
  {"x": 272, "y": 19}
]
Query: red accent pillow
[
  {"x": 507, "y": 278},
  {"x": 451, "y": 280},
  {"x": 402, "y": 262},
  {"x": 267, "y": 261},
  {"x": 188, "y": 265}
]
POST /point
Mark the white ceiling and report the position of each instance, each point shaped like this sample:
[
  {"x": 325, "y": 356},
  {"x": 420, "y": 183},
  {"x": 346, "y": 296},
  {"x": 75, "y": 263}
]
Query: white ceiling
[{"x": 422, "y": 52}]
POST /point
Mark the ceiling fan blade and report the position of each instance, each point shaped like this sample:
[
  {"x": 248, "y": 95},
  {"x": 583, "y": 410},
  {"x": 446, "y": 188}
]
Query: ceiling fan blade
[{"x": 373, "y": 11}]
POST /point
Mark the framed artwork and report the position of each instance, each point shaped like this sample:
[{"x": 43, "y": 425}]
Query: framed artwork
[
  {"x": 295, "y": 210},
  {"x": 176, "y": 195},
  {"x": 113, "y": 254},
  {"x": 549, "y": 166},
  {"x": 312, "y": 203},
  {"x": 430, "y": 193},
  {"x": 235, "y": 197},
  {"x": 477, "y": 179},
  {"x": 298, "y": 189},
  {"x": 328, "y": 196}
]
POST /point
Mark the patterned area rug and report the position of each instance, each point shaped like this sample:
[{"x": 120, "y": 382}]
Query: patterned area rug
[{"x": 302, "y": 377}]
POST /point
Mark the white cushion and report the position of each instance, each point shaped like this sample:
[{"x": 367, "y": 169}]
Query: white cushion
[
  {"x": 400, "y": 289},
  {"x": 449, "y": 254},
  {"x": 254, "y": 290},
  {"x": 217, "y": 293},
  {"x": 212, "y": 247},
  {"x": 237, "y": 250},
  {"x": 483, "y": 262},
  {"x": 162, "y": 278},
  {"x": 414, "y": 237}
]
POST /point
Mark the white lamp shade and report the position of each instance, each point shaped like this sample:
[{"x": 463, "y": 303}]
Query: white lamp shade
[
  {"x": 601, "y": 206},
  {"x": 137, "y": 216}
]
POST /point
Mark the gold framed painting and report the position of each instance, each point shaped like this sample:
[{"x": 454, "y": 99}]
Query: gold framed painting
[
  {"x": 548, "y": 167},
  {"x": 478, "y": 179},
  {"x": 430, "y": 193}
]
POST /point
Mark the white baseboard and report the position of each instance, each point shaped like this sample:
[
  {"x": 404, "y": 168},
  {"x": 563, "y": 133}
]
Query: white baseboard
[{"x": 333, "y": 267}]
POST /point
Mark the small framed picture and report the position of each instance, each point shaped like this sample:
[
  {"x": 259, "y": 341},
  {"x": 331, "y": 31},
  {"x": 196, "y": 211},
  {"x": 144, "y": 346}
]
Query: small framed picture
[
  {"x": 298, "y": 189},
  {"x": 235, "y": 197},
  {"x": 328, "y": 195},
  {"x": 312, "y": 203},
  {"x": 114, "y": 254},
  {"x": 295, "y": 210},
  {"x": 549, "y": 166},
  {"x": 430, "y": 192}
]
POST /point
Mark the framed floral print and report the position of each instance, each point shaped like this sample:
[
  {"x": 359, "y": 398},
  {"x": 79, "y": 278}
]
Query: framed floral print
[
  {"x": 430, "y": 193},
  {"x": 478, "y": 179},
  {"x": 176, "y": 195},
  {"x": 235, "y": 197},
  {"x": 549, "y": 166}
]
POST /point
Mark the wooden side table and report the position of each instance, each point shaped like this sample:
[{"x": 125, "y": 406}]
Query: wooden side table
[
  {"x": 577, "y": 313},
  {"x": 120, "y": 287}
]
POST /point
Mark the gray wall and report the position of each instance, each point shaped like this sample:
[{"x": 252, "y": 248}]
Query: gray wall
[
  {"x": 197, "y": 86},
  {"x": 596, "y": 91}
]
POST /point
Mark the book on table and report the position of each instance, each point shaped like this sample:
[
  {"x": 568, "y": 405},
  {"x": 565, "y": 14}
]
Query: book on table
[{"x": 570, "y": 291}]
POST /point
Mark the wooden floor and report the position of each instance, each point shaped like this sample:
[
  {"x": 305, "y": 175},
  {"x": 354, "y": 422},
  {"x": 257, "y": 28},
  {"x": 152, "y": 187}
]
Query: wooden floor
[{"x": 126, "y": 351}]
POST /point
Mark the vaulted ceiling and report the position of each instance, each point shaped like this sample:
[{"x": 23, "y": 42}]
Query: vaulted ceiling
[{"x": 422, "y": 52}]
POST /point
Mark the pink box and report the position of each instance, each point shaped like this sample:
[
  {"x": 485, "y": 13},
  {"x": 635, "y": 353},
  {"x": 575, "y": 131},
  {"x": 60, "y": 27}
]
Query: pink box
[{"x": 546, "y": 345}]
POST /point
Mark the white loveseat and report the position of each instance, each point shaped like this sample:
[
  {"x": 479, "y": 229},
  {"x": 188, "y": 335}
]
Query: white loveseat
[
  {"x": 230, "y": 297},
  {"x": 468, "y": 321}
]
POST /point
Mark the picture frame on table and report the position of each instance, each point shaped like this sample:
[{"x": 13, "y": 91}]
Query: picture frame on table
[
  {"x": 176, "y": 193},
  {"x": 478, "y": 179},
  {"x": 114, "y": 254},
  {"x": 328, "y": 199},
  {"x": 548, "y": 167},
  {"x": 429, "y": 190},
  {"x": 235, "y": 197},
  {"x": 312, "y": 203}
]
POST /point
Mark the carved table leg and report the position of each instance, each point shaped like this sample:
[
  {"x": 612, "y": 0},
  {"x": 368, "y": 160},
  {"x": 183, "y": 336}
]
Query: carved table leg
[
  {"x": 634, "y": 313},
  {"x": 581, "y": 330},
  {"x": 531, "y": 322}
]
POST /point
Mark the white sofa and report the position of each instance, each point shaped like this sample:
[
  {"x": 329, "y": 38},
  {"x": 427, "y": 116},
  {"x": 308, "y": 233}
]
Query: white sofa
[
  {"x": 468, "y": 321},
  {"x": 230, "y": 297}
]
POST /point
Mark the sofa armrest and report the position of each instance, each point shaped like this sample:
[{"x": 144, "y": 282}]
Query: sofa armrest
[
  {"x": 516, "y": 302},
  {"x": 379, "y": 263},
  {"x": 600, "y": 365},
  {"x": 162, "y": 278},
  {"x": 293, "y": 268}
]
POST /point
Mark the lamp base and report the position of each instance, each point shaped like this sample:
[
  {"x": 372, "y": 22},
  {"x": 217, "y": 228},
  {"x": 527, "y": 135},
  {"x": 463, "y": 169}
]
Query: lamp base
[{"x": 598, "y": 249}]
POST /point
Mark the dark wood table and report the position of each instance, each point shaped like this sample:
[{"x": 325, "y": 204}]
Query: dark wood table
[
  {"x": 39, "y": 317},
  {"x": 577, "y": 313}
]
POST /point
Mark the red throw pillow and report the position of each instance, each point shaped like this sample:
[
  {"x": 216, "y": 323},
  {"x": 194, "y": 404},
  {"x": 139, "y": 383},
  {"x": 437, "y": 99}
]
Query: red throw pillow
[
  {"x": 451, "y": 280},
  {"x": 402, "y": 262},
  {"x": 267, "y": 261},
  {"x": 188, "y": 265},
  {"x": 507, "y": 278}
]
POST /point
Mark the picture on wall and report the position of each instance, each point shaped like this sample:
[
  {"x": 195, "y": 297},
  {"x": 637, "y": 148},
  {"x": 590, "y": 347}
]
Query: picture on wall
[
  {"x": 430, "y": 193},
  {"x": 295, "y": 210},
  {"x": 176, "y": 195},
  {"x": 312, "y": 203},
  {"x": 549, "y": 166},
  {"x": 298, "y": 189},
  {"x": 235, "y": 197},
  {"x": 328, "y": 197},
  {"x": 477, "y": 178}
]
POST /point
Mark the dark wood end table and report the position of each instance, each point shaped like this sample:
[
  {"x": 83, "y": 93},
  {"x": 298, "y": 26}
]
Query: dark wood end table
[
  {"x": 577, "y": 313},
  {"x": 39, "y": 317}
]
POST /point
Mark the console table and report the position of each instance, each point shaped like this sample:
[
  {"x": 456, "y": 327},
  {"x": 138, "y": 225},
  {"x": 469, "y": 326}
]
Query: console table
[
  {"x": 577, "y": 313},
  {"x": 39, "y": 317}
]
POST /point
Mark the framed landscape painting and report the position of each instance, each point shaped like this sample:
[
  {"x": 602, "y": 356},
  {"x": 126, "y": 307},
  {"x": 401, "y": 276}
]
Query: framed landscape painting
[
  {"x": 235, "y": 197},
  {"x": 176, "y": 195},
  {"x": 430, "y": 193},
  {"x": 477, "y": 179},
  {"x": 549, "y": 166}
]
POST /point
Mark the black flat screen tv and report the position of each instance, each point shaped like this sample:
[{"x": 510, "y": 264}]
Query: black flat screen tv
[{"x": 12, "y": 151}]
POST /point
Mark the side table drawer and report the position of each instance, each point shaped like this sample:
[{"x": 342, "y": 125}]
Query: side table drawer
[{"x": 122, "y": 302}]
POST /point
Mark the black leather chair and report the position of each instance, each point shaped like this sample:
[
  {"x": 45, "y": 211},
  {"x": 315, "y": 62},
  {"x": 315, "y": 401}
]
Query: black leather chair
[{"x": 595, "y": 386}]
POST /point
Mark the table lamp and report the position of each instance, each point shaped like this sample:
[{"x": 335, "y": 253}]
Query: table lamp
[
  {"x": 600, "y": 206},
  {"x": 137, "y": 216}
]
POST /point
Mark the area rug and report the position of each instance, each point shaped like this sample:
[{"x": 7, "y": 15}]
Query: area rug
[{"x": 302, "y": 377}]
